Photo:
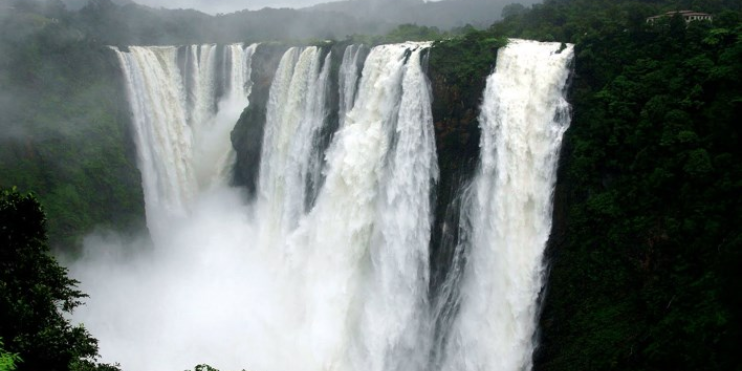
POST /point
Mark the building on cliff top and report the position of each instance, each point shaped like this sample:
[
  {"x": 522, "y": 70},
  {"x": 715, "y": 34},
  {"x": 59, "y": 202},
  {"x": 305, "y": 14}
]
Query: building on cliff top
[{"x": 688, "y": 15}]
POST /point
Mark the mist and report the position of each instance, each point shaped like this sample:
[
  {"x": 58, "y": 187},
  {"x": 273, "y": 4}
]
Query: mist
[
  {"x": 194, "y": 287},
  {"x": 204, "y": 286},
  {"x": 270, "y": 284},
  {"x": 228, "y": 6},
  {"x": 209, "y": 6},
  {"x": 219, "y": 6},
  {"x": 203, "y": 295}
]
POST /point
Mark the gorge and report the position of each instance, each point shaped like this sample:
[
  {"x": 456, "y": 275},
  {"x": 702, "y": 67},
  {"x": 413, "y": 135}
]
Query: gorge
[
  {"x": 327, "y": 266},
  {"x": 343, "y": 194}
]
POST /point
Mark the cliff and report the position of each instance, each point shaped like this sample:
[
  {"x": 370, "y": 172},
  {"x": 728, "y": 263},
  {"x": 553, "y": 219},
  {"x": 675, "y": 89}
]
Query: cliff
[{"x": 247, "y": 136}]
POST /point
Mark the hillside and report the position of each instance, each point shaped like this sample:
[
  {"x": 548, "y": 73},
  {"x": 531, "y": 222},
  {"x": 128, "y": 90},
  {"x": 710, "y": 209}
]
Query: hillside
[{"x": 646, "y": 246}]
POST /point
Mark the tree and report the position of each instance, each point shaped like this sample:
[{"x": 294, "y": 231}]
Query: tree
[
  {"x": 8, "y": 360},
  {"x": 35, "y": 292}
]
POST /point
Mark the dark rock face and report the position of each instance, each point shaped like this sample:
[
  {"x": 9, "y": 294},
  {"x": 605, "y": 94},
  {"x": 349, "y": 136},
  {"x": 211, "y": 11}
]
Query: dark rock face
[
  {"x": 456, "y": 118},
  {"x": 247, "y": 136},
  {"x": 548, "y": 324},
  {"x": 456, "y": 106}
]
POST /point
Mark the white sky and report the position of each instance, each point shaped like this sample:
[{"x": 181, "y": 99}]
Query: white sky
[{"x": 228, "y": 6}]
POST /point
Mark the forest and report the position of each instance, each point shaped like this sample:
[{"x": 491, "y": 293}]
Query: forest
[{"x": 646, "y": 248}]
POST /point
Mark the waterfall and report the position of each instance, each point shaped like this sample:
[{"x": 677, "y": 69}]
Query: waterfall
[
  {"x": 163, "y": 137},
  {"x": 328, "y": 267},
  {"x": 508, "y": 212},
  {"x": 291, "y": 159},
  {"x": 215, "y": 151},
  {"x": 182, "y": 138},
  {"x": 360, "y": 254},
  {"x": 398, "y": 339},
  {"x": 202, "y": 93},
  {"x": 237, "y": 70},
  {"x": 348, "y": 78}
]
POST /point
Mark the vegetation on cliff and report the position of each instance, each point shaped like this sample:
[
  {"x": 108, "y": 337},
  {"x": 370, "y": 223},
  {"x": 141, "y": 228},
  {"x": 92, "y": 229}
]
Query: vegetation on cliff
[
  {"x": 35, "y": 294},
  {"x": 647, "y": 242},
  {"x": 647, "y": 238},
  {"x": 65, "y": 125}
]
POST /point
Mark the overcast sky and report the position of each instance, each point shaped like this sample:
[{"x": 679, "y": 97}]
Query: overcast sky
[{"x": 228, "y": 6}]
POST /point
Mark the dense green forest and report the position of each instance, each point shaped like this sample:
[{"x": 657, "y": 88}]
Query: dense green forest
[
  {"x": 646, "y": 249},
  {"x": 65, "y": 123},
  {"x": 647, "y": 244},
  {"x": 35, "y": 294}
]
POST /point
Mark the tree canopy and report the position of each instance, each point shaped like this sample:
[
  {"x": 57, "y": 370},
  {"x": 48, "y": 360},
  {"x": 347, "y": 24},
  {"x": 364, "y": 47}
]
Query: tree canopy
[{"x": 35, "y": 292}]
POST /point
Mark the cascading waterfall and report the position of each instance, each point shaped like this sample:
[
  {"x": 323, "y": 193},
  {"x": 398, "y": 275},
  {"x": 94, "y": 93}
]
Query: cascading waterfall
[
  {"x": 164, "y": 139},
  {"x": 348, "y": 276},
  {"x": 290, "y": 160},
  {"x": 201, "y": 71},
  {"x": 215, "y": 147},
  {"x": 328, "y": 267},
  {"x": 508, "y": 212},
  {"x": 237, "y": 71},
  {"x": 348, "y": 78},
  {"x": 398, "y": 339},
  {"x": 176, "y": 124}
]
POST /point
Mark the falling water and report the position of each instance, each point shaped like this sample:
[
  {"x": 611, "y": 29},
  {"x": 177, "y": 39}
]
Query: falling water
[
  {"x": 353, "y": 268},
  {"x": 176, "y": 125},
  {"x": 201, "y": 72},
  {"x": 508, "y": 213},
  {"x": 237, "y": 71},
  {"x": 164, "y": 139},
  {"x": 215, "y": 149},
  {"x": 398, "y": 339},
  {"x": 348, "y": 78},
  {"x": 291, "y": 159},
  {"x": 328, "y": 267}
]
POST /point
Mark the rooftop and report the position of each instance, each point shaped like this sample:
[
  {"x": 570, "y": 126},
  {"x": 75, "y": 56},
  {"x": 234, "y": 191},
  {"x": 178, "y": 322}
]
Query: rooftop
[{"x": 689, "y": 15}]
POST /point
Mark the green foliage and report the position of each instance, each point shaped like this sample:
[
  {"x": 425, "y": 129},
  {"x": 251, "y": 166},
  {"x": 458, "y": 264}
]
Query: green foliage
[
  {"x": 457, "y": 68},
  {"x": 205, "y": 367},
  {"x": 648, "y": 207},
  {"x": 405, "y": 32},
  {"x": 64, "y": 125},
  {"x": 8, "y": 361},
  {"x": 35, "y": 292},
  {"x": 463, "y": 60},
  {"x": 412, "y": 32}
]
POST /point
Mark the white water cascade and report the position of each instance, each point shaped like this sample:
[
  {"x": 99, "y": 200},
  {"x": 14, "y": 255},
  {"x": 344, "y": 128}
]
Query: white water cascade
[
  {"x": 348, "y": 79},
  {"x": 179, "y": 133},
  {"x": 508, "y": 212},
  {"x": 327, "y": 269},
  {"x": 398, "y": 339},
  {"x": 215, "y": 150},
  {"x": 291, "y": 159}
]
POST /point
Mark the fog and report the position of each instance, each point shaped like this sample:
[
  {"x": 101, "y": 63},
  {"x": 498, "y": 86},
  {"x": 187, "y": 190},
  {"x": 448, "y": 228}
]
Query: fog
[
  {"x": 194, "y": 288},
  {"x": 228, "y": 6},
  {"x": 201, "y": 296},
  {"x": 219, "y": 6},
  {"x": 208, "y": 270},
  {"x": 270, "y": 285}
]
